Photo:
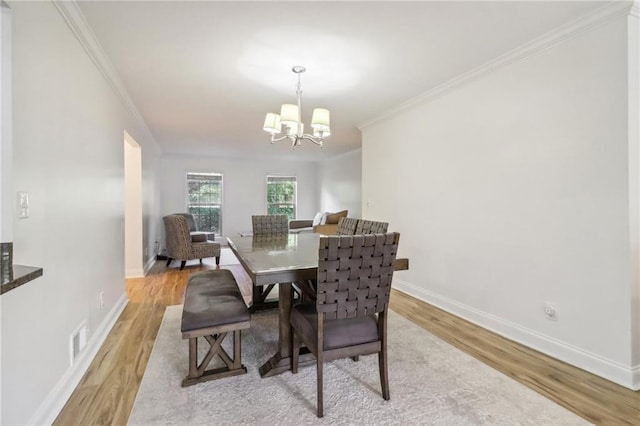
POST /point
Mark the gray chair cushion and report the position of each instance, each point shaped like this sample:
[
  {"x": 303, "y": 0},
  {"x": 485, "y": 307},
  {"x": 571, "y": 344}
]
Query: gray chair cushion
[{"x": 337, "y": 333}]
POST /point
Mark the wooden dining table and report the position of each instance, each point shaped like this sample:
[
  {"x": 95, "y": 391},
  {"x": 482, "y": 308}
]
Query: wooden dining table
[{"x": 282, "y": 259}]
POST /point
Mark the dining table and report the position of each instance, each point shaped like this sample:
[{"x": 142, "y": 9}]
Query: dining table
[{"x": 283, "y": 259}]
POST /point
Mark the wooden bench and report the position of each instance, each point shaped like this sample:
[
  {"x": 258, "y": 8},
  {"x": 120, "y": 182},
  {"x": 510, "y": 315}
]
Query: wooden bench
[{"x": 213, "y": 307}]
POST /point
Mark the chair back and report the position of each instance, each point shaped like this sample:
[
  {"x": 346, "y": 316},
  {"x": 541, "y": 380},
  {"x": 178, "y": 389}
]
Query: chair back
[
  {"x": 178, "y": 238},
  {"x": 371, "y": 227},
  {"x": 270, "y": 224},
  {"x": 191, "y": 221},
  {"x": 347, "y": 226},
  {"x": 355, "y": 274}
]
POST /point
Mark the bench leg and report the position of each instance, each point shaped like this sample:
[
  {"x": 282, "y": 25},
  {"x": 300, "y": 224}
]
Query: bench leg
[{"x": 198, "y": 371}]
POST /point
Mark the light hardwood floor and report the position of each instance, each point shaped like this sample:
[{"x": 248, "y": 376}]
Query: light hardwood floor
[{"x": 106, "y": 393}]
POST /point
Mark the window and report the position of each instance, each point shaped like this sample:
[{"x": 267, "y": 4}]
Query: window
[
  {"x": 281, "y": 195},
  {"x": 204, "y": 200}
]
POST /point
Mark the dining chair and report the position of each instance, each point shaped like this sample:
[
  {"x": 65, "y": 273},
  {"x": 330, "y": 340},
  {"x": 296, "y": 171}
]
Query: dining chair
[
  {"x": 347, "y": 226},
  {"x": 349, "y": 316},
  {"x": 371, "y": 227},
  {"x": 272, "y": 224},
  {"x": 267, "y": 227}
]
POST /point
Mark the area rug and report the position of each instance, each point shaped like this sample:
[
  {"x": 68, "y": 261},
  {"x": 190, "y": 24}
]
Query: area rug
[{"x": 431, "y": 382}]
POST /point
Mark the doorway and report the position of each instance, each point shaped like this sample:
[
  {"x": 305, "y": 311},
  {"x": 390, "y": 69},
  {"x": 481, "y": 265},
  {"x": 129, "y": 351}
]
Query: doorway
[{"x": 133, "y": 255}]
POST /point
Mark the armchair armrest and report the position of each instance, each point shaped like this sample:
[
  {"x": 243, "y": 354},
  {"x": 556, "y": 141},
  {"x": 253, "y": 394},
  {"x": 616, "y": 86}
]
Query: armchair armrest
[
  {"x": 327, "y": 229},
  {"x": 300, "y": 223}
]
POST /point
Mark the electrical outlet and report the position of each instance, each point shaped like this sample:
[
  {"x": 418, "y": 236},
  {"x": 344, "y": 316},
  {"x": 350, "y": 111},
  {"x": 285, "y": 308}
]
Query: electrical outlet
[
  {"x": 550, "y": 312},
  {"x": 101, "y": 299}
]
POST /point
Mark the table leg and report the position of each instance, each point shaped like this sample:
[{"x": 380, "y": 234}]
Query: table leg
[{"x": 281, "y": 361}]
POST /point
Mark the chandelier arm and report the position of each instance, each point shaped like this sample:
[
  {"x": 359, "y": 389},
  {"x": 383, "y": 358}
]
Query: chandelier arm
[
  {"x": 310, "y": 138},
  {"x": 281, "y": 138}
]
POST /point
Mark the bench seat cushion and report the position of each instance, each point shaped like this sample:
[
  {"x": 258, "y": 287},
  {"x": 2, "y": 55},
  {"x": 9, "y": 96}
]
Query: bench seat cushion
[{"x": 212, "y": 298}]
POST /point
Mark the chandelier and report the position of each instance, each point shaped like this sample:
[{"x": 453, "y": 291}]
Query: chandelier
[{"x": 290, "y": 118}]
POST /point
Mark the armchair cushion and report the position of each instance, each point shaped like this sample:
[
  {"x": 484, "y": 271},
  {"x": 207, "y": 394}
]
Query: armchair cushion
[{"x": 198, "y": 237}]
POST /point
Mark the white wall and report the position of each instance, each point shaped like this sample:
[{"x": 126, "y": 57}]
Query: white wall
[
  {"x": 6, "y": 152},
  {"x": 6, "y": 144},
  {"x": 633, "y": 79},
  {"x": 511, "y": 191},
  {"x": 68, "y": 129},
  {"x": 244, "y": 187},
  {"x": 340, "y": 181}
]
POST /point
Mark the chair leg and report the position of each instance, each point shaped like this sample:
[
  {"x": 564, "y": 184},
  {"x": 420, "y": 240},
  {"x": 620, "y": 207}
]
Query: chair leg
[
  {"x": 184, "y": 262},
  {"x": 217, "y": 260},
  {"x": 319, "y": 362},
  {"x": 355, "y": 358},
  {"x": 201, "y": 261},
  {"x": 169, "y": 259},
  {"x": 295, "y": 352},
  {"x": 384, "y": 373}
]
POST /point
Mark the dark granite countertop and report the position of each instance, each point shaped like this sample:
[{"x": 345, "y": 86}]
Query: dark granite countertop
[{"x": 18, "y": 276}]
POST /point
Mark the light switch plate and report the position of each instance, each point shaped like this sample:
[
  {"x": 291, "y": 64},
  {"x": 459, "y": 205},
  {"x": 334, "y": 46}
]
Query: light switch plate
[{"x": 23, "y": 205}]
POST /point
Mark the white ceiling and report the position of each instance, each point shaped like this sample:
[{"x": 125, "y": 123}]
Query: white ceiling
[{"x": 203, "y": 74}]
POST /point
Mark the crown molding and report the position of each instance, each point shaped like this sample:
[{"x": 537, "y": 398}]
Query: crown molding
[
  {"x": 78, "y": 24},
  {"x": 635, "y": 9},
  {"x": 572, "y": 29}
]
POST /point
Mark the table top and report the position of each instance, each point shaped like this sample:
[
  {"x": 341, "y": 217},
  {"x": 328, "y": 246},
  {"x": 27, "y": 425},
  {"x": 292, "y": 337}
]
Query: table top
[
  {"x": 283, "y": 258},
  {"x": 273, "y": 259}
]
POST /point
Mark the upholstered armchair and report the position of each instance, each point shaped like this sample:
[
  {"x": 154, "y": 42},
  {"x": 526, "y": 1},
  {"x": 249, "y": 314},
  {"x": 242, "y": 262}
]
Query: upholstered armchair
[{"x": 180, "y": 245}]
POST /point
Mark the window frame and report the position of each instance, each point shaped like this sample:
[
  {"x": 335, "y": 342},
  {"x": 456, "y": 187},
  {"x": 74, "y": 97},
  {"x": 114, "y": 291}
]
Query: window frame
[
  {"x": 275, "y": 177},
  {"x": 188, "y": 204}
]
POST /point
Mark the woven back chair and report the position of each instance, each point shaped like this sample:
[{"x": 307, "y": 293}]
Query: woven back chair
[
  {"x": 349, "y": 316},
  {"x": 347, "y": 226},
  {"x": 270, "y": 224},
  {"x": 180, "y": 245},
  {"x": 265, "y": 229},
  {"x": 371, "y": 227}
]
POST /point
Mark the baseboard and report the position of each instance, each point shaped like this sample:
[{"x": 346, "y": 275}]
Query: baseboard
[
  {"x": 149, "y": 265},
  {"x": 628, "y": 377},
  {"x": 58, "y": 396},
  {"x": 134, "y": 273}
]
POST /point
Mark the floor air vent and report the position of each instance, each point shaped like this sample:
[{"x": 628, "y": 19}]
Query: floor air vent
[{"x": 78, "y": 340}]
